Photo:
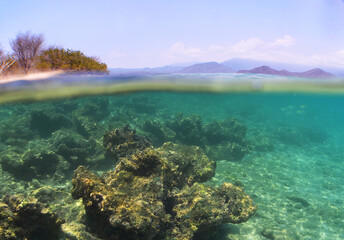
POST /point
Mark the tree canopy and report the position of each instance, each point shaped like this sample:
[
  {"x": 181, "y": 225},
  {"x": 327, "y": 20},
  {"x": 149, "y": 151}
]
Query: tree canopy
[{"x": 62, "y": 59}]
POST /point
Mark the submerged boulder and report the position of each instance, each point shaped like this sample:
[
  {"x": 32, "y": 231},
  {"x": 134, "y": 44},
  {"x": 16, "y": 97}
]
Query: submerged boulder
[
  {"x": 77, "y": 150},
  {"x": 230, "y": 130},
  {"x": 226, "y": 140},
  {"x": 198, "y": 208},
  {"x": 45, "y": 122},
  {"x": 22, "y": 218},
  {"x": 158, "y": 194},
  {"x": 31, "y": 164},
  {"x": 223, "y": 139},
  {"x": 124, "y": 141},
  {"x": 188, "y": 130}
]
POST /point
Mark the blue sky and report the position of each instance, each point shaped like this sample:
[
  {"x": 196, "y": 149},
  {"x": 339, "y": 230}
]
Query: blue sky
[{"x": 152, "y": 33}]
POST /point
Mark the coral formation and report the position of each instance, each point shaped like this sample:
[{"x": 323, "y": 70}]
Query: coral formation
[
  {"x": 157, "y": 193},
  {"x": 43, "y": 143},
  {"x": 123, "y": 142},
  {"x": 223, "y": 139},
  {"x": 76, "y": 150},
  {"x": 27, "y": 219},
  {"x": 31, "y": 164},
  {"x": 46, "y": 122},
  {"x": 188, "y": 129}
]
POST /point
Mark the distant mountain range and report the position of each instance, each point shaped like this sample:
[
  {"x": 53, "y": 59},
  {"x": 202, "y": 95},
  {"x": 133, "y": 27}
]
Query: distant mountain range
[
  {"x": 241, "y": 66},
  {"x": 313, "y": 73},
  {"x": 209, "y": 67}
]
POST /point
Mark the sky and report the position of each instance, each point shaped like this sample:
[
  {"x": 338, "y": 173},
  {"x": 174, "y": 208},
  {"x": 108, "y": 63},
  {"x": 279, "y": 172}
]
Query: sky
[{"x": 151, "y": 33}]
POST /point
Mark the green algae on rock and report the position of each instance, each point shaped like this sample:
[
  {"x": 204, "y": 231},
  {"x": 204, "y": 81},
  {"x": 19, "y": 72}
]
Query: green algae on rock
[
  {"x": 27, "y": 219},
  {"x": 124, "y": 141},
  {"x": 31, "y": 164},
  {"x": 158, "y": 194},
  {"x": 225, "y": 139}
]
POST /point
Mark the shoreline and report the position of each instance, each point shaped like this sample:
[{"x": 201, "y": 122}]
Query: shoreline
[{"x": 31, "y": 76}]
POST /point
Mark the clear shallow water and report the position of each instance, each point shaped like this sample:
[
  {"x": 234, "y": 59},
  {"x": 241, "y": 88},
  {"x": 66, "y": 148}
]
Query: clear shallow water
[{"x": 292, "y": 165}]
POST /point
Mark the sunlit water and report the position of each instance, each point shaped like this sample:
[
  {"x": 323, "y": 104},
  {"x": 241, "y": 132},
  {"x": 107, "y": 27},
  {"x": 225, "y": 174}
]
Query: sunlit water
[{"x": 293, "y": 167}]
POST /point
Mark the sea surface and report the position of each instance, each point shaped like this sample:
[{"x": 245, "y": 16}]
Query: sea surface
[{"x": 290, "y": 157}]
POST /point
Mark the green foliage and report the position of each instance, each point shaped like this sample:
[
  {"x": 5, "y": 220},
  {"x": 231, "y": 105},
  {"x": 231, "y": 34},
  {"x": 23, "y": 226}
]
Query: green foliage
[{"x": 62, "y": 59}]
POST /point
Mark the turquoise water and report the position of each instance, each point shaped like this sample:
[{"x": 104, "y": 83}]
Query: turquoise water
[{"x": 290, "y": 157}]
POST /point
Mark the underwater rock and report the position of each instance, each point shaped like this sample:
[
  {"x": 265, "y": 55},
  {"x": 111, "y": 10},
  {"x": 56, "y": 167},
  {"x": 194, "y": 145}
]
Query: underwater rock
[
  {"x": 186, "y": 165},
  {"x": 301, "y": 136},
  {"x": 86, "y": 126},
  {"x": 77, "y": 150},
  {"x": 231, "y": 151},
  {"x": 27, "y": 219},
  {"x": 260, "y": 142},
  {"x": 124, "y": 141},
  {"x": 188, "y": 129},
  {"x": 15, "y": 131},
  {"x": 226, "y": 140},
  {"x": 76, "y": 231},
  {"x": 300, "y": 200},
  {"x": 97, "y": 109},
  {"x": 140, "y": 104},
  {"x": 158, "y": 133},
  {"x": 276, "y": 233},
  {"x": 158, "y": 194},
  {"x": 219, "y": 139},
  {"x": 225, "y": 131},
  {"x": 31, "y": 164},
  {"x": 46, "y": 122},
  {"x": 199, "y": 207}
]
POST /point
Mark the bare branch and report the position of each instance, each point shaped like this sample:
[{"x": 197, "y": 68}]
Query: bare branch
[
  {"x": 26, "y": 47},
  {"x": 4, "y": 64}
]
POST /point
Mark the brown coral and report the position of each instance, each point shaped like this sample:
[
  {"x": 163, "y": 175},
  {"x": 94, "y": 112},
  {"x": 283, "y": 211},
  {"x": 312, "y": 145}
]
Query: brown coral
[
  {"x": 22, "y": 218},
  {"x": 157, "y": 194},
  {"x": 122, "y": 142}
]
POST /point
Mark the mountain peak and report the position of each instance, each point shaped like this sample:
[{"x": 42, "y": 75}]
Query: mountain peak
[
  {"x": 208, "y": 67},
  {"x": 313, "y": 73}
]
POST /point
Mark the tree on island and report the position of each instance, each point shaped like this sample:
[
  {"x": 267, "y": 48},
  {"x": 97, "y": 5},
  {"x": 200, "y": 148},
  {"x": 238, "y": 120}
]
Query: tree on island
[
  {"x": 28, "y": 53},
  {"x": 26, "y": 47},
  {"x": 55, "y": 58}
]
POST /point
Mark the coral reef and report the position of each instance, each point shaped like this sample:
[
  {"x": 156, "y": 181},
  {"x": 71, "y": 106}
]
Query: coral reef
[
  {"x": 46, "y": 122},
  {"x": 200, "y": 208},
  {"x": 140, "y": 104},
  {"x": 21, "y": 218},
  {"x": 188, "y": 129},
  {"x": 225, "y": 131},
  {"x": 77, "y": 150},
  {"x": 31, "y": 164},
  {"x": 231, "y": 151},
  {"x": 124, "y": 141},
  {"x": 158, "y": 194},
  {"x": 225, "y": 139},
  {"x": 157, "y": 132}
]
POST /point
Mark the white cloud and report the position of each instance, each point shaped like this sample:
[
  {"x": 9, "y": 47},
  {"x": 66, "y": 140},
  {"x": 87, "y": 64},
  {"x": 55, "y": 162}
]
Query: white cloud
[
  {"x": 286, "y": 41},
  {"x": 278, "y": 50},
  {"x": 251, "y": 48},
  {"x": 180, "y": 49},
  {"x": 335, "y": 59},
  {"x": 247, "y": 45},
  {"x": 340, "y": 53}
]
